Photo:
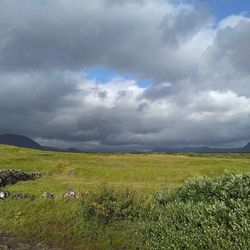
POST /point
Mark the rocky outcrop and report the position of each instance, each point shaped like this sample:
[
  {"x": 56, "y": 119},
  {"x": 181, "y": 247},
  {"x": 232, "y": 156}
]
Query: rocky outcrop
[{"x": 10, "y": 177}]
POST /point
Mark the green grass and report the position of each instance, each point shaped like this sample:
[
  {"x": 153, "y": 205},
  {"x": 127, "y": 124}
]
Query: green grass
[
  {"x": 145, "y": 172},
  {"x": 54, "y": 221}
]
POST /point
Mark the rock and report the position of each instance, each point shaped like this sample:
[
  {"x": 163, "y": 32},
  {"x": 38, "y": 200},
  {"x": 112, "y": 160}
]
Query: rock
[
  {"x": 15, "y": 196},
  {"x": 4, "y": 195},
  {"x": 24, "y": 246},
  {"x": 48, "y": 195},
  {"x": 70, "y": 194},
  {"x": 21, "y": 196},
  {"x": 5, "y": 247},
  {"x": 40, "y": 245},
  {"x": 10, "y": 177}
]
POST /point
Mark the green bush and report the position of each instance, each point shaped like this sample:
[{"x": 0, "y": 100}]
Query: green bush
[
  {"x": 199, "y": 226},
  {"x": 226, "y": 188},
  {"x": 109, "y": 205},
  {"x": 111, "y": 217},
  {"x": 204, "y": 213}
]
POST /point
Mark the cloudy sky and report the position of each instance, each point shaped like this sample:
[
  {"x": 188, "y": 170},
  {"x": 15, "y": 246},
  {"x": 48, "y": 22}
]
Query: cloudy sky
[{"x": 126, "y": 74}]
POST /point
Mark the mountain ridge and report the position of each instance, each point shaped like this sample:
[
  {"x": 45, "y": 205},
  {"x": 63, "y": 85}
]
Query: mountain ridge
[
  {"x": 19, "y": 141},
  {"x": 27, "y": 142}
]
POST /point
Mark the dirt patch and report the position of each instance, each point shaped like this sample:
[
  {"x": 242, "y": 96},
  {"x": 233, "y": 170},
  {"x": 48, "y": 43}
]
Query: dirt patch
[{"x": 12, "y": 243}]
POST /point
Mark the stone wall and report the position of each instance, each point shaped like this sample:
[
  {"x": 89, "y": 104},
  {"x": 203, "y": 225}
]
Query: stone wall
[{"x": 10, "y": 177}]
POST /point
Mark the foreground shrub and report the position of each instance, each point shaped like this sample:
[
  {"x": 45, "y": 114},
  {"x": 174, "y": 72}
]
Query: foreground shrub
[
  {"x": 203, "y": 189},
  {"x": 109, "y": 205},
  {"x": 111, "y": 217},
  {"x": 204, "y": 213},
  {"x": 199, "y": 226}
]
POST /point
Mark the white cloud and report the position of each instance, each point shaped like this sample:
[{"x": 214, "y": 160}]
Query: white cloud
[{"x": 232, "y": 21}]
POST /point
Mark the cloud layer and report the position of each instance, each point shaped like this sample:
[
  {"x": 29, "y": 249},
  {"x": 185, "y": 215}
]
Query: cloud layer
[{"x": 199, "y": 67}]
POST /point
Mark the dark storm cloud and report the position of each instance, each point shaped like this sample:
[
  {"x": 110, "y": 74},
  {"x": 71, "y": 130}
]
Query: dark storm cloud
[
  {"x": 128, "y": 36},
  {"x": 226, "y": 61},
  {"x": 30, "y": 100},
  {"x": 43, "y": 91},
  {"x": 184, "y": 24},
  {"x": 232, "y": 46},
  {"x": 200, "y": 94}
]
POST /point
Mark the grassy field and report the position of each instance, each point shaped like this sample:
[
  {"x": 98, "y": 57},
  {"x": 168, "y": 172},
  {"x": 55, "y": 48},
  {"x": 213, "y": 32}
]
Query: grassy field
[
  {"x": 54, "y": 221},
  {"x": 147, "y": 172}
]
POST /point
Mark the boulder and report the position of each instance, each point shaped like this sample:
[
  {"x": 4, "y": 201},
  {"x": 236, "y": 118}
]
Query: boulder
[
  {"x": 48, "y": 195},
  {"x": 70, "y": 194},
  {"x": 4, "y": 195}
]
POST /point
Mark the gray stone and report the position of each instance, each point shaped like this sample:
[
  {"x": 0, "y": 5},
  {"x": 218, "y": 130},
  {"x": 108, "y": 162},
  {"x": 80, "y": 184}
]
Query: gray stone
[
  {"x": 70, "y": 194},
  {"x": 18, "y": 196},
  {"x": 4, "y": 195},
  {"x": 5, "y": 247},
  {"x": 48, "y": 195},
  {"x": 23, "y": 246}
]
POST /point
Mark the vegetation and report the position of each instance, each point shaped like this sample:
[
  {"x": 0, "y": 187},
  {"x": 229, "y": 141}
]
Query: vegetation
[
  {"x": 144, "y": 203},
  {"x": 204, "y": 213}
]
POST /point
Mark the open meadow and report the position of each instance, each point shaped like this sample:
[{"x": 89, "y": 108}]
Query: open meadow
[
  {"x": 67, "y": 223},
  {"x": 146, "y": 172}
]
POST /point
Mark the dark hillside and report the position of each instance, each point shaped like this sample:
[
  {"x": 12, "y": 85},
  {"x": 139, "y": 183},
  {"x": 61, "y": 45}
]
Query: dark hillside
[{"x": 19, "y": 141}]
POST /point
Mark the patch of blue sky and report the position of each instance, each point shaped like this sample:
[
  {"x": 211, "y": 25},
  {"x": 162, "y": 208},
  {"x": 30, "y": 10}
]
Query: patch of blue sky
[
  {"x": 222, "y": 8},
  {"x": 145, "y": 83},
  {"x": 102, "y": 76}
]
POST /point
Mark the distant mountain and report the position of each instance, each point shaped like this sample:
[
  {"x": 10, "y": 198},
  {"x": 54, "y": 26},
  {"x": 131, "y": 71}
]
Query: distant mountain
[
  {"x": 26, "y": 142},
  {"x": 244, "y": 149},
  {"x": 19, "y": 141},
  {"x": 74, "y": 150}
]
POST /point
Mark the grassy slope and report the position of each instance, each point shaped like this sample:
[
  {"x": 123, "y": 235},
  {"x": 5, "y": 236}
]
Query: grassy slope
[{"x": 42, "y": 219}]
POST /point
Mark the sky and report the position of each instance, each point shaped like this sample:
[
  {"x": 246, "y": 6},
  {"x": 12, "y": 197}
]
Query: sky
[{"x": 126, "y": 75}]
